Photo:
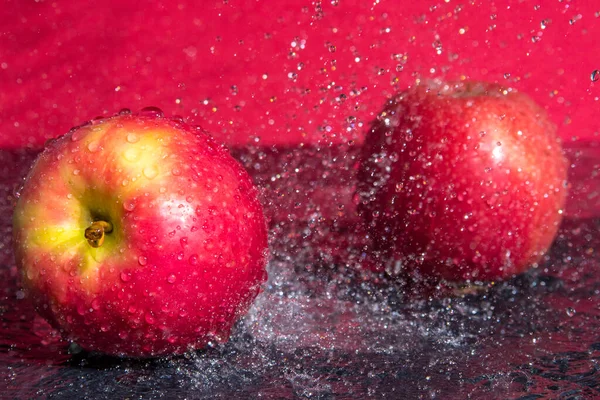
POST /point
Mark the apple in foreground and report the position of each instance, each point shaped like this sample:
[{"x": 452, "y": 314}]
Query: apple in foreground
[
  {"x": 462, "y": 181},
  {"x": 138, "y": 235}
]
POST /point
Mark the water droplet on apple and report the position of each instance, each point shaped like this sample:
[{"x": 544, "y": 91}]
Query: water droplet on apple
[
  {"x": 105, "y": 328},
  {"x": 125, "y": 277},
  {"x": 172, "y": 278},
  {"x": 193, "y": 260},
  {"x": 132, "y": 154},
  {"x": 151, "y": 112},
  {"x": 124, "y": 111},
  {"x": 176, "y": 171},
  {"x": 132, "y": 137},
  {"x": 81, "y": 309},
  {"x": 77, "y": 135},
  {"x": 93, "y": 146},
  {"x": 131, "y": 309},
  {"x": 129, "y": 205},
  {"x": 142, "y": 260},
  {"x": 149, "y": 318},
  {"x": 150, "y": 172},
  {"x": 76, "y": 172},
  {"x": 96, "y": 304},
  {"x": 123, "y": 335}
]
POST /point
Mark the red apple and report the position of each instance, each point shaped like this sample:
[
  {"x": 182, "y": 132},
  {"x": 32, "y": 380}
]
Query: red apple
[
  {"x": 138, "y": 235},
  {"x": 462, "y": 181}
]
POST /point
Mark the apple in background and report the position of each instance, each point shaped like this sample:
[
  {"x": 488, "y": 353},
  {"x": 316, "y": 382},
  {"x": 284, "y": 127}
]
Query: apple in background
[
  {"x": 138, "y": 235},
  {"x": 463, "y": 181}
]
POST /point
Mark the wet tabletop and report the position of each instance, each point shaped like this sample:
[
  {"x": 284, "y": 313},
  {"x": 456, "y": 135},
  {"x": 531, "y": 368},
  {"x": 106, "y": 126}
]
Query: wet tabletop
[
  {"x": 291, "y": 88},
  {"x": 323, "y": 329}
]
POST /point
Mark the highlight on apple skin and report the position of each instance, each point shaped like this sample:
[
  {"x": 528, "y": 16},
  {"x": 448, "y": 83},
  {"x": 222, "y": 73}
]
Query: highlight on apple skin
[
  {"x": 138, "y": 235},
  {"x": 461, "y": 181}
]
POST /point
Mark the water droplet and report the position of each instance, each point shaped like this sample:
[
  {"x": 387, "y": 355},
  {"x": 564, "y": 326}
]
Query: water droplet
[
  {"x": 123, "y": 335},
  {"x": 193, "y": 260},
  {"x": 124, "y": 111},
  {"x": 129, "y": 205},
  {"x": 96, "y": 304},
  {"x": 149, "y": 318},
  {"x": 132, "y": 137},
  {"x": 570, "y": 311},
  {"x": 172, "y": 278},
  {"x": 142, "y": 260},
  {"x": 595, "y": 76},
  {"x": 81, "y": 309},
  {"x": 93, "y": 146},
  {"x": 125, "y": 277},
  {"x": 77, "y": 135},
  {"x": 176, "y": 171},
  {"x": 17, "y": 191},
  {"x": 76, "y": 172},
  {"x": 544, "y": 24},
  {"x": 154, "y": 112},
  {"x": 150, "y": 172},
  {"x": 131, "y": 154}
]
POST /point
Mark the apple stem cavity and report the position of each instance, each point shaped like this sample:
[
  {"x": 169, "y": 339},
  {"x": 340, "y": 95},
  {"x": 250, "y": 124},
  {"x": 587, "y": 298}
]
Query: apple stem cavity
[{"x": 95, "y": 232}]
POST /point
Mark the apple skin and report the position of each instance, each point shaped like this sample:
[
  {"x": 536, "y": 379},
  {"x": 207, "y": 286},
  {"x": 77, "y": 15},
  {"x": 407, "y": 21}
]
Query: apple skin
[
  {"x": 187, "y": 252},
  {"x": 461, "y": 181}
]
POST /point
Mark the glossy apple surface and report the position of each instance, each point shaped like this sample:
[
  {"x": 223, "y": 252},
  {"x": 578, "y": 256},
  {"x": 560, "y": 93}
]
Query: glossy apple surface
[
  {"x": 138, "y": 235},
  {"x": 462, "y": 181}
]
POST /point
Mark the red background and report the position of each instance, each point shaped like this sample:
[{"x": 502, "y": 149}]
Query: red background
[{"x": 283, "y": 72}]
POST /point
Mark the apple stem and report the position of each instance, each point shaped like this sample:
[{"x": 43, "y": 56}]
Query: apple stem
[{"x": 95, "y": 232}]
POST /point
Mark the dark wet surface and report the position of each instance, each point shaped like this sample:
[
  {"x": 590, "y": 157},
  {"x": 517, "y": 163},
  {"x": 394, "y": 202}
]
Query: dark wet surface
[{"x": 322, "y": 330}]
